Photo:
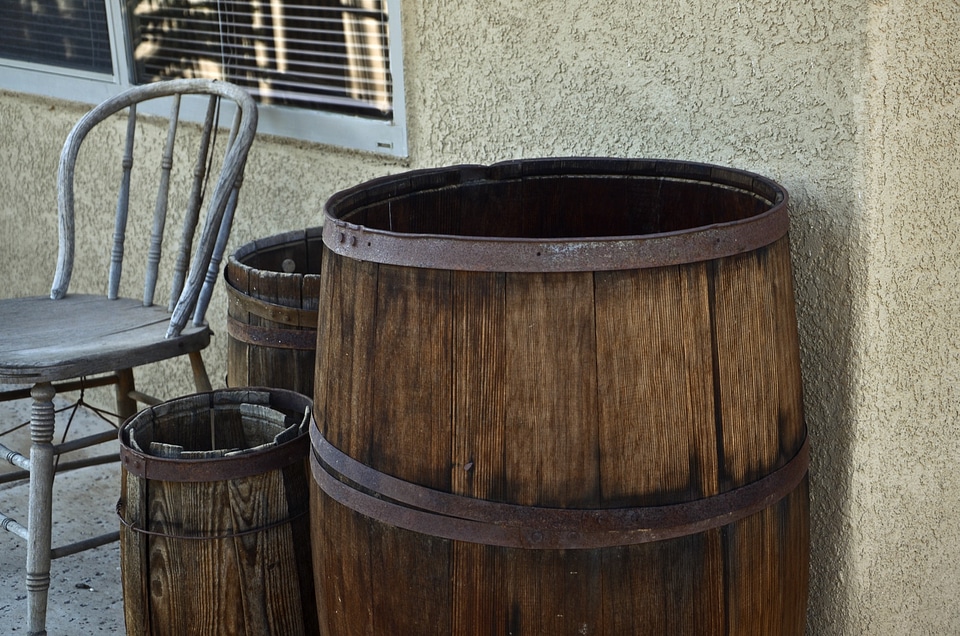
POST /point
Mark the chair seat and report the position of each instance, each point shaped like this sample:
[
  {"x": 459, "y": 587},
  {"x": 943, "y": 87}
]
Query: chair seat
[{"x": 44, "y": 340}]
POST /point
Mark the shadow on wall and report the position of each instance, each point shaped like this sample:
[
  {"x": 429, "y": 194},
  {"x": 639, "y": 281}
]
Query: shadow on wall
[{"x": 827, "y": 272}]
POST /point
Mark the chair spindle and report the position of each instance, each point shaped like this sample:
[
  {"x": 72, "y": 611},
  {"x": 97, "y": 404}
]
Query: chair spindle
[
  {"x": 123, "y": 208},
  {"x": 213, "y": 270},
  {"x": 83, "y": 335},
  {"x": 160, "y": 211},
  {"x": 192, "y": 214}
]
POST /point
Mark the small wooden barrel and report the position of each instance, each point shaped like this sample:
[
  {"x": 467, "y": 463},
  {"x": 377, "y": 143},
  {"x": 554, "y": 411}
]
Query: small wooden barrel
[
  {"x": 215, "y": 531},
  {"x": 559, "y": 397},
  {"x": 273, "y": 289}
]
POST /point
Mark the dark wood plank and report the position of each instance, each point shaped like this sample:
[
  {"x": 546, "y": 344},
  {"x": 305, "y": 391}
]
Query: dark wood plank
[
  {"x": 767, "y": 568},
  {"x": 482, "y": 579},
  {"x": 550, "y": 391},
  {"x": 481, "y": 590},
  {"x": 238, "y": 361},
  {"x": 267, "y": 559},
  {"x": 266, "y": 366},
  {"x": 787, "y": 349},
  {"x": 479, "y": 429},
  {"x": 294, "y": 368},
  {"x": 249, "y": 502},
  {"x": 297, "y": 482},
  {"x": 192, "y": 582},
  {"x": 411, "y": 588},
  {"x": 342, "y": 581},
  {"x": 744, "y": 359},
  {"x": 794, "y": 525},
  {"x": 667, "y": 587},
  {"x": 344, "y": 387},
  {"x": 410, "y": 377},
  {"x": 314, "y": 251},
  {"x": 657, "y": 434},
  {"x": 134, "y": 555}
]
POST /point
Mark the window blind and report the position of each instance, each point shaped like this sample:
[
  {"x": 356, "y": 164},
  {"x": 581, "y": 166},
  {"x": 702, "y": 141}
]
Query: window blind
[
  {"x": 327, "y": 54},
  {"x": 67, "y": 33}
]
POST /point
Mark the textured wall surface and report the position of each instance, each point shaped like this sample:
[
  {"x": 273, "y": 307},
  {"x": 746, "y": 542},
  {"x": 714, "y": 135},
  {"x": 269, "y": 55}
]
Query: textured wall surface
[
  {"x": 851, "y": 104},
  {"x": 905, "y": 495}
]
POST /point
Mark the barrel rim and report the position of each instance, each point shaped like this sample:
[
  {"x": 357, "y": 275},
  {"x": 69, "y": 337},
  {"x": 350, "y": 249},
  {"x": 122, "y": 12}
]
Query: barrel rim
[
  {"x": 219, "y": 468},
  {"x": 521, "y": 254},
  {"x": 237, "y": 259}
]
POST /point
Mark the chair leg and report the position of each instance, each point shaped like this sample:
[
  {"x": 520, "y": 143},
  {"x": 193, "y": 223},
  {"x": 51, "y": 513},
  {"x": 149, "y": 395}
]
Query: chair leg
[
  {"x": 126, "y": 405},
  {"x": 42, "y": 421},
  {"x": 200, "y": 378}
]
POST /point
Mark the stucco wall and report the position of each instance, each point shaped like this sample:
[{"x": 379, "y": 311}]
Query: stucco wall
[
  {"x": 905, "y": 495},
  {"x": 850, "y": 104}
]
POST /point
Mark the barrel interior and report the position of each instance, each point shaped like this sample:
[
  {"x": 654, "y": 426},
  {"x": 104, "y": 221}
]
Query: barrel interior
[
  {"x": 224, "y": 428},
  {"x": 556, "y": 207},
  {"x": 289, "y": 257}
]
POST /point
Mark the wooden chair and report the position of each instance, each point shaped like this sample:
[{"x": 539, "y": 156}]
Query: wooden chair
[{"x": 48, "y": 343}]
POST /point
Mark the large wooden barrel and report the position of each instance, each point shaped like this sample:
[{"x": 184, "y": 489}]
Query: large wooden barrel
[
  {"x": 272, "y": 291},
  {"x": 559, "y": 397},
  {"x": 215, "y": 531}
]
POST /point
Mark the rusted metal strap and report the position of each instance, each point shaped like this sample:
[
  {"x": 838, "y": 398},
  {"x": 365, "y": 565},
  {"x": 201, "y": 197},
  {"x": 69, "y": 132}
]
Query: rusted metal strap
[
  {"x": 414, "y": 507},
  {"x": 554, "y": 255},
  {"x": 271, "y": 311},
  {"x": 573, "y": 254},
  {"x": 121, "y": 505},
  {"x": 217, "y": 469},
  {"x": 272, "y": 337}
]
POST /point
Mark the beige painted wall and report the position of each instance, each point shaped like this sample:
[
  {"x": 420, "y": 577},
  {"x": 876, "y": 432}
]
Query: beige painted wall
[
  {"x": 851, "y": 104},
  {"x": 905, "y": 487}
]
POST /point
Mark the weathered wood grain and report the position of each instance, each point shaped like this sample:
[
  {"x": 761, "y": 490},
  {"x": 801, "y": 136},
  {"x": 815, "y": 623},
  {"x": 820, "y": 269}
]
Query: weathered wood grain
[
  {"x": 84, "y": 334},
  {"x": 228, "y": 554},
  {"x": 238, "y": 352},
  {"x": 656, "y": 417},
  {"x": 67, "y": 336},
  {"x": 275, "y": 289},
  {"x": 555, "y": 390}
]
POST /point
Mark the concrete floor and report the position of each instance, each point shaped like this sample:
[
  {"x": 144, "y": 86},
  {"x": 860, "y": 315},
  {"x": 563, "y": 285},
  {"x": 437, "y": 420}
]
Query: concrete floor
[{"x": 85, "y": 592}]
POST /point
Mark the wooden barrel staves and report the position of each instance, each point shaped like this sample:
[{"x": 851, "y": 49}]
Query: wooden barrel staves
[
  {"x": 215, "y": 531},
  {"x": 273, "y": 291},
  {"x": 559, "y": 397}
]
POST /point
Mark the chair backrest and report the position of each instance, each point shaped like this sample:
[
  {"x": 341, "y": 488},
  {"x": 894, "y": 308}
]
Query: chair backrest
[{"x": 196, "y": 268}]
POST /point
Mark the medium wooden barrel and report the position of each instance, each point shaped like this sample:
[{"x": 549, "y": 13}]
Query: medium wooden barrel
[
  {"x": 272, "y": 290},
  {"x": 215, "y": 531},
  {"x": 559, "y": 397}
]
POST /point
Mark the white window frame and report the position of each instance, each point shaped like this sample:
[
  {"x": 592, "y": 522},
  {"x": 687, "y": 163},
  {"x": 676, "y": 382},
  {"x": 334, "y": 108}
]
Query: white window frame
[{"x": 387, "y": 137}]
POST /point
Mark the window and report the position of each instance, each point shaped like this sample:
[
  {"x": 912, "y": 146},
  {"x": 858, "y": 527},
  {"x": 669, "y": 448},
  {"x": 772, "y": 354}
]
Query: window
[
  {"x": 73, "y": 35},
  {"x": 323, "y": 70}
]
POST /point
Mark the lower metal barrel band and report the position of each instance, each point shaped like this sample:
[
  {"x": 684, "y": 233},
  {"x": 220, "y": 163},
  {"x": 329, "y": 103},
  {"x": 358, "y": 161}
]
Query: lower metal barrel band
[{"x": 413, "y": 507}]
